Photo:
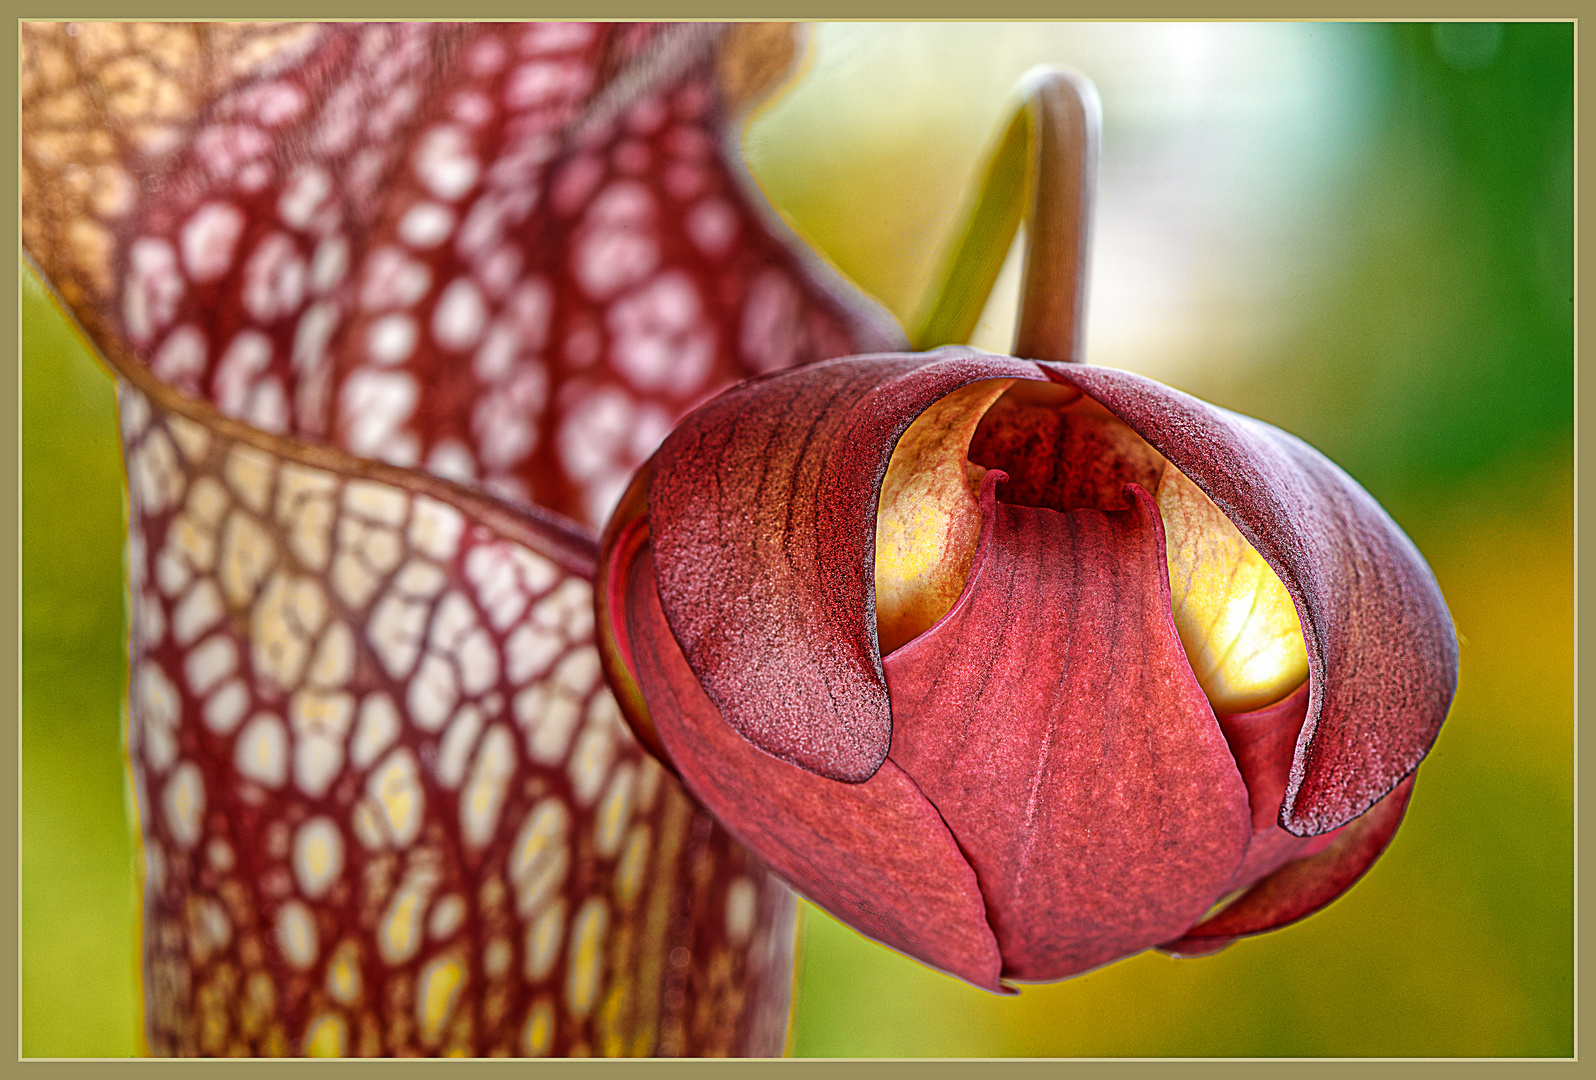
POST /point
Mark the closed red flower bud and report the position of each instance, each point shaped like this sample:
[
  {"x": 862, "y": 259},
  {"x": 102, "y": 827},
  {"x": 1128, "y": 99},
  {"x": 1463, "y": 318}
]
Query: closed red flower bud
[{"x": 1019, "y": 667}]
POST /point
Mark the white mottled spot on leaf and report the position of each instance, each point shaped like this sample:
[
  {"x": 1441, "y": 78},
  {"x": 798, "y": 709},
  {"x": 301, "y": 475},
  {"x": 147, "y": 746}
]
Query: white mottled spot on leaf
[
  {"x": 154, "y": 474},
  {"x": 376, "y": 730},
  {"x": 312, "y": 335},
  {"x": 454, "y": 749},
  {"x": 540, "y": 855},
  {"x": 248, "y": 553},
  {"x": 543, "y": 942},
  {"x": 190, "y": 437},
  {"x": 296, "y": 934},
  {"x": 181, "y": 358},
  {"x": 318, "y": 856},
  {"x": 334, "y": 661},
  {"x": 289, "y": 613},
  {"x": 542, "y": 82},
  {"x": 261, "y": 752},
  {"x": 614, "y": 812},
  {"x": 483, "y": 798},
  {"x": 615, "y": 247},
  {"x": 393, "y": 279},
  {"x": 274, "y": 279},
  {"x": 444, "y": 162},
  {"x": 154, "y": 286},
  {"x": 329, "y": 264},
  {"x": 633, "y": 862},
  {"x": 548, "y": 719},
  {"x": 249, "y": 474},
  {"x": 435, "y": 529},
  {"x": 438, "y": 990},
  {"x": 452, "y": 460},
  {"x": 426, "y": 225},
  {"x": 183, "y": 800},
  {"x": 712, "y": 226},
  {"x": 225, "y": 708},
  {"x": 447, "y": 915},
  {"x": 659, "y": 340},
  {"x": 197, "y": 612},
  {"x": 395, "y": 631},
  {"x": 769, "y": 333},
  {"x": 585, "y": 965},
  {"x": 529, "y": 652},
  {"x": 458, "y": 319},
  {"x": 374, "y": 405},
  {"x": 245, "y": 360},
  {"x": 590, "y": 763},
  {"x": 395, "y": 788},
  {"x": 304, "y": 194},
  {"x": 391, "y": 339},
  {"x": 741, "y": 908},
  {"x": 211, "y": 662},
  {"x": 433, "y": 693}
]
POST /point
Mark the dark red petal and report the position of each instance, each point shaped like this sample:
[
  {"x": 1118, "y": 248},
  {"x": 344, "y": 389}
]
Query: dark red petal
[
  {"x": 1303, "y": 887},
  {"x": 1054, "y": 722},
  {"x": 763, "y": 513},
  {"x": 1382, "y": 654},
  {"x": 1263, "y": 741},
  {"x": 876, "y": 855}
]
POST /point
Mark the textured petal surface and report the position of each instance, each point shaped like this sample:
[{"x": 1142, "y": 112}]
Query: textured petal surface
[
  {"x": 763, "y": 515},
  {"x": 1382, "y": 654},
  {"x": 1301, "y": 888},
  {"x": 1053, "y": 721},
  {"x": 1263, "y": 742},
  {"x": 876, "y": 854}
]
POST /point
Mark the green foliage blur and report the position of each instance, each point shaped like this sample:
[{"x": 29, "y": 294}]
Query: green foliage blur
[{"x": 1435, "y": 364}]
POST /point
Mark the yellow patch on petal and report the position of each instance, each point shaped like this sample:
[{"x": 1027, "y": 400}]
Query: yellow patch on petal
[
  {"x": 1235, "y": 618},
  {"x": 928, "y": 523}
]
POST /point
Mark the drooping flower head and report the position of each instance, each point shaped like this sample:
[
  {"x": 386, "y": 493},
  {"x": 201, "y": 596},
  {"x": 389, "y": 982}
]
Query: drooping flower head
[{"x": 1018, "y": 665}]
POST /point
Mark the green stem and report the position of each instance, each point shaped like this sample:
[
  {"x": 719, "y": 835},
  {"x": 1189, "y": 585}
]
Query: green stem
[{"x": 1043, "y": 169}]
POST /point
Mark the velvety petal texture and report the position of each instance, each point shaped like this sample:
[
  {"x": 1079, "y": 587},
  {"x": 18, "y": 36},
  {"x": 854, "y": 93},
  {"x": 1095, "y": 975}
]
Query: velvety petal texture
[
  {"x": 1052, "y": 719},
  {"x": 763, "y": 514},
  {"x": 1382, "y": 654},
  {"x": 915, "y": 893},
  {"x": 1047, "y": 737},
  {"x": 1302, "y": 887}
]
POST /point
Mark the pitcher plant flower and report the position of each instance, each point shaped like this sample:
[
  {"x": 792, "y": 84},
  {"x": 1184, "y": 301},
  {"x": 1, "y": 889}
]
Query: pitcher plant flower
[
  {"x": 1016, "y": 665},
  {"x": 395, "y": 311}
]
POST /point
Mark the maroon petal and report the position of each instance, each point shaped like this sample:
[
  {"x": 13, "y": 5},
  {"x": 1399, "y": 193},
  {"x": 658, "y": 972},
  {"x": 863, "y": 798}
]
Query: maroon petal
[
  {"x": 1053, "y": 721},
  {"x": 1382, "y": 654},
  {"x": 1303, "y": 887},
  {"x": 1263, "y": 742},
  {"x": 874, "y": 854},
  {"x": 763, "y": 514}
]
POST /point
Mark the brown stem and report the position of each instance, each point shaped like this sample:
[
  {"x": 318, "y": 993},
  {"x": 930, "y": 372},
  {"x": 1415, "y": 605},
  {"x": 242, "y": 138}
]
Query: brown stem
[{"x": 1065, "y": 118}]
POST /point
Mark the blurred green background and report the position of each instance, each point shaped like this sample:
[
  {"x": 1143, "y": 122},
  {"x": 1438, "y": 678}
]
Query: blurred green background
[{"x": 1361, "y": 233}]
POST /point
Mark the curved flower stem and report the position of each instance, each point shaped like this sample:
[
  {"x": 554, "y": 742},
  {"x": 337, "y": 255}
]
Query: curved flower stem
[
  {"x": 1066, "y": 119},
  {"x": 1044, "y": 168}
]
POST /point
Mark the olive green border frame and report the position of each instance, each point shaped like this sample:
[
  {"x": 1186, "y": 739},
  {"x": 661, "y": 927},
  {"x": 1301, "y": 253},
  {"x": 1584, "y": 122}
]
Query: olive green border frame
[{"x": 10, "y": 442}]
